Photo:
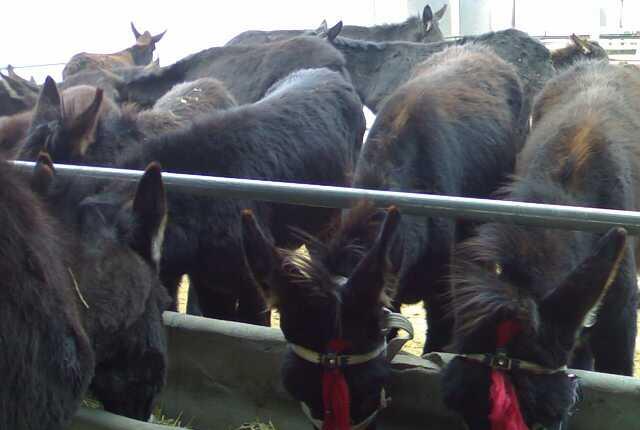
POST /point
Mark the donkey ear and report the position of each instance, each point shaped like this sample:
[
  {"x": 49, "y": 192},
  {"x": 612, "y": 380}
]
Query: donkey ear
[
  {"x": 136, "y": 33},
  {"x": 43, "y": 174},
  {"x": 261, "y": 255},
  {"x": 580, "y": 43},
  {"x": 440, "y": 13},
  {"x": 367, "y": 279},
  {"x": 48, "y": 107},
  {"x": 322, "y": 29},
  {"x": 150, "y": 210},
  {"x": 157, "y": 37},
  {"x": 587, "y": 284},
  {"x": 83, "y": 127},
  {"x": 334, "y": 31},
  {"x": 427, "y": 18}
]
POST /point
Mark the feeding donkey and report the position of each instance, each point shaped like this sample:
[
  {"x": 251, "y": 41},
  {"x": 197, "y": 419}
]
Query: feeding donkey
[
  {"x": 307, "y": 129},
  {"x": 112, "y": 258},
  {"x": 538, "y": 300},
  {"x": 440, "y": 133},
  {"x": 424, "y": 29},
  {"x": 337, "y": 365},
  {"x": 139, "y": 54},
  {"x": 46, "y": 360}
]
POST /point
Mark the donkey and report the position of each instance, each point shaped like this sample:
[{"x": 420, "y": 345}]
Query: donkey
[
  {"x": 378, "y": 69},
  {"x": 113, "y": 253},
  {"x": 139, "y": 54},
  {"x": 16, "y": 94},
  {"x": 439, "y": 134},
  {"x": 530, "y": 300},
  {"x": 330, "y": 320},
  {"x": 46, "y": 359},
  {"x": 308, "y": 129},
  {"x": 579, "y": 49},
  {"x": 110, "y": 80},
  {"x": 423, "y": 29},
  {"x": 247, "y": 71}
]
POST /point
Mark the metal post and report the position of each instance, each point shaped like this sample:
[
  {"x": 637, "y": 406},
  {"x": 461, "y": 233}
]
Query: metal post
[{"x": 540, "y": 215}]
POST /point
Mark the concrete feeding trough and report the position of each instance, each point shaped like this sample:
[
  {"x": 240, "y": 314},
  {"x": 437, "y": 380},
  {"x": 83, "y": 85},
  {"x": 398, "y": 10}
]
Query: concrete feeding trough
[{"x": 223, "y": 374}]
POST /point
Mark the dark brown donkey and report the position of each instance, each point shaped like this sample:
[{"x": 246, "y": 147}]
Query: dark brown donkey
[
  {"x": 546, "y": 299},
  {"x": 139, "y": 54},
  {"x": 46, "y": 360},
  {"x": 441, "y": 133}
]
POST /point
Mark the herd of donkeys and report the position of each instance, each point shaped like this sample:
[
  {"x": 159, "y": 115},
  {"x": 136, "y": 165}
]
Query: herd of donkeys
[{"x": 87, "y": 267}]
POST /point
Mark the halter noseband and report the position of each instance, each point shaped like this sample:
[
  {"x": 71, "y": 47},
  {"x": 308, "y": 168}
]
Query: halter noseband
[{"x": 332, "y": 360}]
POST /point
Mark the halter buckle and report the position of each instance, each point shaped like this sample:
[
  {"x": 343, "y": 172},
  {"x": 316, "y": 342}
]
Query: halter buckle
[
  {"x": 332, "y": 360},
  {"x": 500, "y": 361}
]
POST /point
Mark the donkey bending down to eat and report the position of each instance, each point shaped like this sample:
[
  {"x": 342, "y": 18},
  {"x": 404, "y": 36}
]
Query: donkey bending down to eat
[
  {"x": 543, "y": 299},
  {"x": 46, "y": 360},
  {"x": 334, "y": 321},
  {"x": 308, "y": 129},
  {"x": 440, "y": 134}
]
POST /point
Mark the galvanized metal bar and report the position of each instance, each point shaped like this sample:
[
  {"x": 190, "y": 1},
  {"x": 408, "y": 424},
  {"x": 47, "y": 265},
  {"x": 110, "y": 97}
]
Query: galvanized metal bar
[{"x": 549, "y": 216}]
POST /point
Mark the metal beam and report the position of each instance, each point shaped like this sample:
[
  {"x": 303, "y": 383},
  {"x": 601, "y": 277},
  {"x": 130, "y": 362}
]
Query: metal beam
[{"x": 540, "y": 215}]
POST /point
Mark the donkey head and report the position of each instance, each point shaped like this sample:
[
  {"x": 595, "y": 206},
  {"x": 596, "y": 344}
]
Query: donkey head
[
  {"x": 430, "y": 31},
  {"x": 516, "y": 341},
  {"x": 142, "y": 51},
  {"x": 65, "y": 125},
  {"x": 324, "y": 316}
]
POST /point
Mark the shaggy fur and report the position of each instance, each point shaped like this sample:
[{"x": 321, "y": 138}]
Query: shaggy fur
[
  {"x": 581, "y": 152},
  {"x": 423, "y": 29},
  {"x": 45, "y": 355},
  {"x": 190, "y": 99},
  {"x": 247, "y": 71},
  {"x": 437, "y": 134},
  {"x": 112, "y": 264},
  {"x": 139, "y": 54},
  {"x": 378, "y": 69},
  {"x": 315, "y": 308},
  {"x": 307, "y": 130}
]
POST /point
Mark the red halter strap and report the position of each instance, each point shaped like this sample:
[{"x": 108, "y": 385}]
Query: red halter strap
[
  {"x": 505, "y": 408},
  {"x": 335, "y": 393}
]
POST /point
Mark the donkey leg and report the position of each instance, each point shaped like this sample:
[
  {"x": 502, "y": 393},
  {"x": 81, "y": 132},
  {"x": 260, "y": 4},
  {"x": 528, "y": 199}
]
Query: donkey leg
[
  {"x": 439, "y": 322},
  {"x": 171, "y": 281},
  {"x": 582, "y": 357},
  {"x": 252, "y": 307},
  {"x": 216, "y": 301},
  {"x": 614, "y": 337},
  {"x": 193, "y": 305}
]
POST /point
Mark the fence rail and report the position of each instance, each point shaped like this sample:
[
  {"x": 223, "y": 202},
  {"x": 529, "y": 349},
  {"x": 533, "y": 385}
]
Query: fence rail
[{"x": 541, "y": 215}]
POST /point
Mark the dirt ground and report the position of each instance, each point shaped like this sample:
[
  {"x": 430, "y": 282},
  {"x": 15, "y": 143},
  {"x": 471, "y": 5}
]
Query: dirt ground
[{"x": 415, "y": 313}]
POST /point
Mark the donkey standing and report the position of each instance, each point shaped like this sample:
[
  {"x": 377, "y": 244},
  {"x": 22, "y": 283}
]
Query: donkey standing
[
  {"x": 440, "y": 133},
  {"x": 539, "y": 299},
  {"x": 139, "y": 54}
]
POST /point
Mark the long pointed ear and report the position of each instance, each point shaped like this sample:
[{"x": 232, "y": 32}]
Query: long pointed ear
[
  {"x": 262, "y": 257},
  {"x": 587, "y": 284},
  {"x": 367, "y": 279},
  {"x": 48, "y": 107},
  {"x": 440, "y": 13},
  {"x": 334, "y": 31},
  {"x": 82, "y": 128},
  {"x": 322, "y": 29},
  {"x": 157, "y": 37},
  {"x": 581, "y": 44},
  {"x": 427, "y": 18},
  {"x": 136, "y": 33},
  {"x": 43, "y": 174},
  {"x": 150, "y": 211}
]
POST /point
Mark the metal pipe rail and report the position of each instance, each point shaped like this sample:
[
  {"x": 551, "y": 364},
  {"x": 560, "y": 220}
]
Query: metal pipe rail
[{"x": 540, "y": 215}]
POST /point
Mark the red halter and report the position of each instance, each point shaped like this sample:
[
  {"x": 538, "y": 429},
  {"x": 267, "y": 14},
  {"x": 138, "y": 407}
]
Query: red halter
[
  {"x": 335, "y": 393},
  {"x": 505, "y": 409}
]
